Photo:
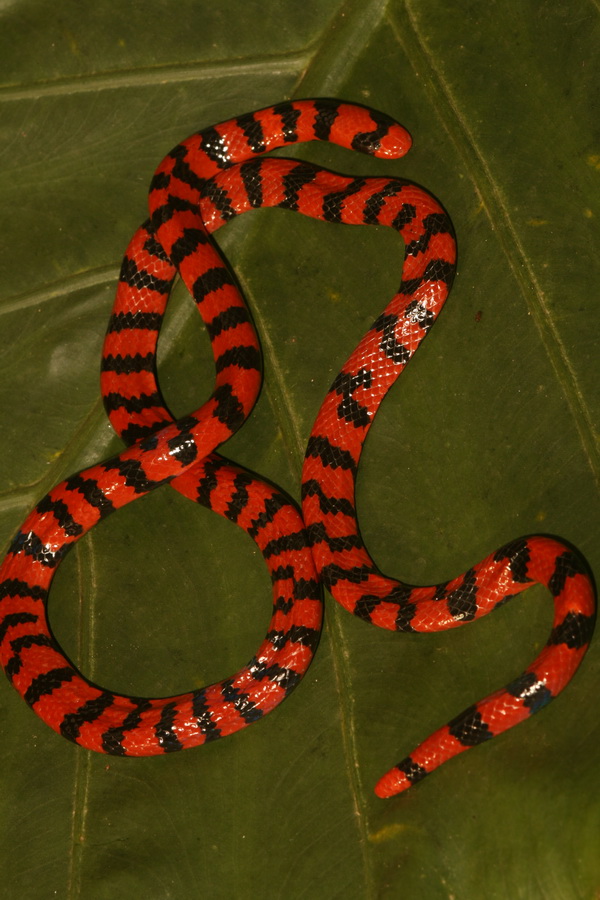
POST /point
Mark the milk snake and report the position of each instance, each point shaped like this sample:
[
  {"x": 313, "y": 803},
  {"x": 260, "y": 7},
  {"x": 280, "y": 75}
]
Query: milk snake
[{"x": 213, "y": 176}]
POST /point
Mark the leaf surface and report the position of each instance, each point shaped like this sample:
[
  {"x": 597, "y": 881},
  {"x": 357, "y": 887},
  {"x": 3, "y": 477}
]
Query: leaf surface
[{"x": 491, "y": 433}]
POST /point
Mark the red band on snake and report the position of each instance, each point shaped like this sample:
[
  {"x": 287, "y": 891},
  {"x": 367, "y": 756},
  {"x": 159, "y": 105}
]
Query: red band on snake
[{"x": 210, "y": 178}]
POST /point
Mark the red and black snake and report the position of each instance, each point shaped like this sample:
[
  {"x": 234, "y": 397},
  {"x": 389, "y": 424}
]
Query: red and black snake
[{"x": 213, "y": 176}]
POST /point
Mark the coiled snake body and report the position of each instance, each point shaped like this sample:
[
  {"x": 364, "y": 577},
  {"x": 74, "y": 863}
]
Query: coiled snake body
[{"x": 211, "y": 177}]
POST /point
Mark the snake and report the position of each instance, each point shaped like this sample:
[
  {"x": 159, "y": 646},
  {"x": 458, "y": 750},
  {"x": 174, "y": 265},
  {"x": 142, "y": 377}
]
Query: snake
[{"x": 204, "y": 182}]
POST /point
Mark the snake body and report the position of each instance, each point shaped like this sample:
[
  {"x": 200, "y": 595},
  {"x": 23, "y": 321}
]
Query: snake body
[{"x": 212, "y": 177}]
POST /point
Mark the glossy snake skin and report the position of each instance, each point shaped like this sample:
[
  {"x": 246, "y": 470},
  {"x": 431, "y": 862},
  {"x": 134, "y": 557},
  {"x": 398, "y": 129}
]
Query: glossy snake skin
[{"x": 213, "y": 176}]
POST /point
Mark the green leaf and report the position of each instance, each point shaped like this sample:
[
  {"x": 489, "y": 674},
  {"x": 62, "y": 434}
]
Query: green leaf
[{"x": 491, "y": 433}]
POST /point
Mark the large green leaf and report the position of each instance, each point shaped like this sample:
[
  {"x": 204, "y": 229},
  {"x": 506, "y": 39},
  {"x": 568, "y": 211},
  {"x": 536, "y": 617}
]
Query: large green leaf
[{"x": 490, "y": 434}]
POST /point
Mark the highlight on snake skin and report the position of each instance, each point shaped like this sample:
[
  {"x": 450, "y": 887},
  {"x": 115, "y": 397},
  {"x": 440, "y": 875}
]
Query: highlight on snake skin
[{"x": 214, "y": 176}]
